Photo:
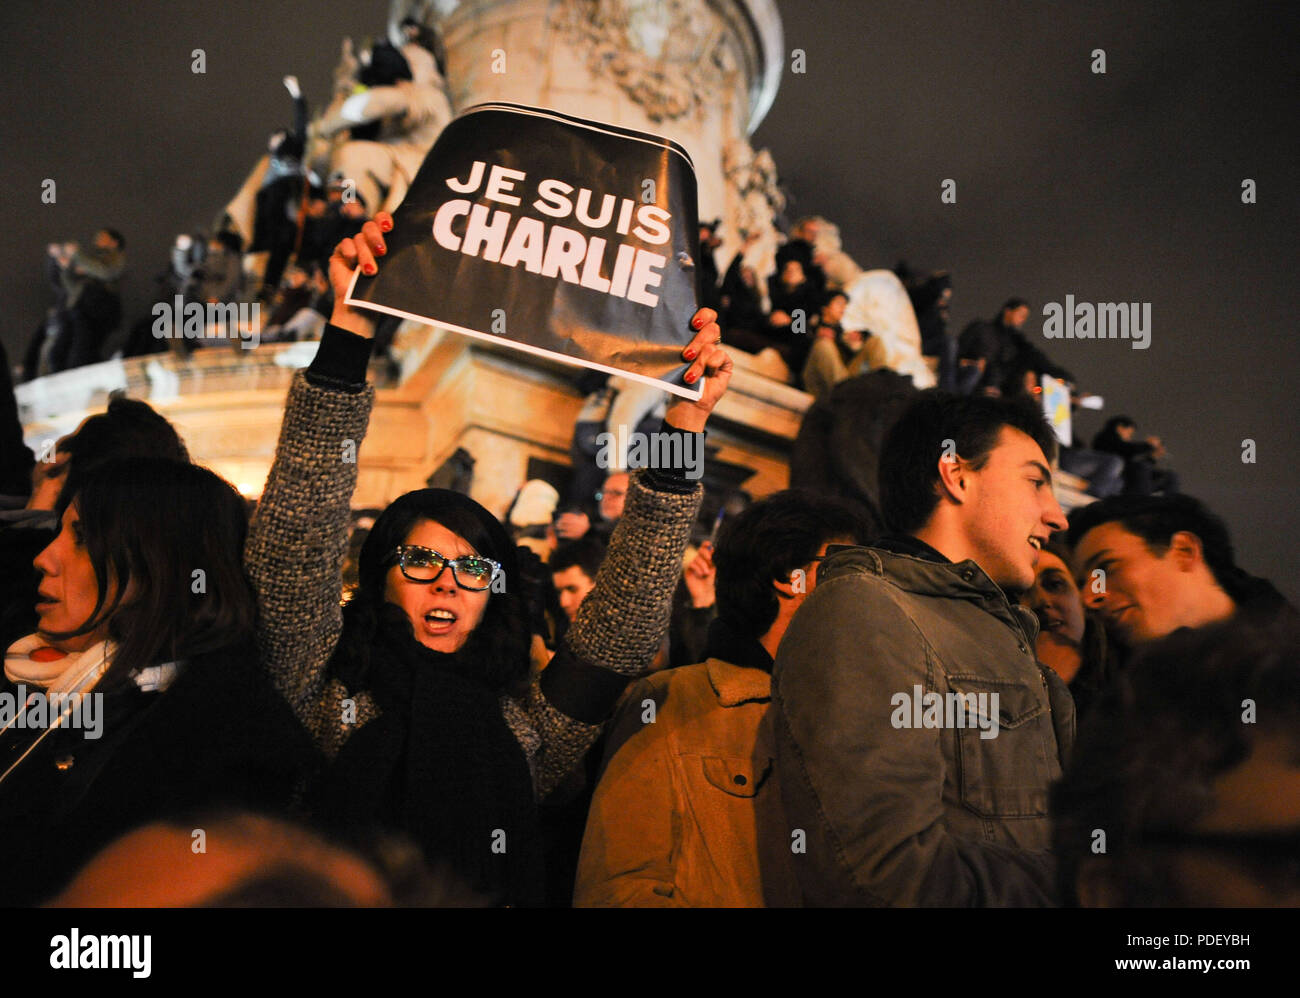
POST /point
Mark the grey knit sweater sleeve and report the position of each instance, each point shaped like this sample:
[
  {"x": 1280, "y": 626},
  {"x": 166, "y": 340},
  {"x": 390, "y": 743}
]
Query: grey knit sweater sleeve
[
  {"x": 295, "y": 548},
  {"x": 618, "y": 630}
]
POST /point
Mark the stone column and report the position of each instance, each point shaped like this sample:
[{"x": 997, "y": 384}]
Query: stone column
[{"x": 701, "y": 72}]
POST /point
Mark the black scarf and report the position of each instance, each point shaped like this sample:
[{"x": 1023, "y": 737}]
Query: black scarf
[{"x": 441, "y": 765}]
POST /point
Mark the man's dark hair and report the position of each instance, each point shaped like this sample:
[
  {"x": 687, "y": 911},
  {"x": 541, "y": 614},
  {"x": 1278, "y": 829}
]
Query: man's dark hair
[
  {"x": 587, "y": 552},
  {"x": 1142, "y": 771},
  {"x": 116, "y": 236},
  {"x": 1156, "y": 519},
  {"x": 1011, "y": 303},
  {"x": 766, "y": 543},
  {"x": 830, "y": 296},
  {"x": 127, "y": 428},
  {"x": 909, "y": 457}
]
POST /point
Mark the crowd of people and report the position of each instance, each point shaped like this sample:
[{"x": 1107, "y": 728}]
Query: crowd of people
[
  {"x": 822, "y": 702},
  {"x": 908, "y": 679}
]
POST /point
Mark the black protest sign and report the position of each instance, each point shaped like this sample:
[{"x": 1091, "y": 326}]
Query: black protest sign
[{"x": 558, "y": 236}]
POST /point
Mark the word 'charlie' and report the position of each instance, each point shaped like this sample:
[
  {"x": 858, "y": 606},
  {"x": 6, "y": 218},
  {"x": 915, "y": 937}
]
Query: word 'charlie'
[{"x": 557, "y": 250}]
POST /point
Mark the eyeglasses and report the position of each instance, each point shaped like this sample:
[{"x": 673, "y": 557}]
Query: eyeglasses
[{"x": 426, "y": 565}]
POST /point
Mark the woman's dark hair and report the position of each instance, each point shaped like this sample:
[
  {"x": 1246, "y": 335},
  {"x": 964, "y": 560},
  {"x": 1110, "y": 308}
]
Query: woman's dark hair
[
  {"x": 127, "y": 428},
  {"x": 499, "y": 645},
  {"x": 766, "y": 543},
  {"x": 909, "y": 457},
  {"x": 170, "y": 535}
]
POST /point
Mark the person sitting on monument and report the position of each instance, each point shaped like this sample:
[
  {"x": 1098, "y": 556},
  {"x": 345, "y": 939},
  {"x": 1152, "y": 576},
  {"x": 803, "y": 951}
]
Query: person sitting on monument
[{"x": 419, "y": 690}]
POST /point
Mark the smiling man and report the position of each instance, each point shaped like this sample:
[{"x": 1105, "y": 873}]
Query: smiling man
[
  {"x": 930, "y": 814},
  {"x": 1149, "y": 565}
]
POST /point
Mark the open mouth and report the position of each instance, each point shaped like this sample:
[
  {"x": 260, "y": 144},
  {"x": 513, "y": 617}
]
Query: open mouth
[{"x": 439, "y": 621}]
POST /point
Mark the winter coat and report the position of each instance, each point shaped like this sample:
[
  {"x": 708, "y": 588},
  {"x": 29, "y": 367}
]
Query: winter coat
[
  {"x": 899, "y": 811},
  {"x": 688, "y": 812},
  {"x": 218, "y": 735}
]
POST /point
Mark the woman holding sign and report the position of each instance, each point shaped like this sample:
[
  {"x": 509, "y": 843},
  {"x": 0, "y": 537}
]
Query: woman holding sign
[{"x": 418, "y": 690}]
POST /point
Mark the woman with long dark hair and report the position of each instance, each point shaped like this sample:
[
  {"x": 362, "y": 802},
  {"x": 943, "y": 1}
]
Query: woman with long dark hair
[
  {"x": 1071, "y": 641},
  {"x": 138, "y": 695},
  {"x": 419, "y": 689}
]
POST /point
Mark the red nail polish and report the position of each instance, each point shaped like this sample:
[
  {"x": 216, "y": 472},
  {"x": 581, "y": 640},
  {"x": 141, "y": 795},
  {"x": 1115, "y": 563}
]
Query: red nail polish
[
  {"x": 370, "y": 268},
  {"x": 697, "y": 323},
  {"x": 387, "y": 225},
  {"x": 690, "y": 354},
  {"x": 690, "y": 377}
]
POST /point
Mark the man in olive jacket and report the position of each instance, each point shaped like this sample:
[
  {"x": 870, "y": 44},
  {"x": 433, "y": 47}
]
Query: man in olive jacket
[{"x": 917, "y": 736}]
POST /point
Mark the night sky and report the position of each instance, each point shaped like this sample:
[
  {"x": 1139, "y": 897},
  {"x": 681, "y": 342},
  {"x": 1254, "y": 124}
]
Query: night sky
[{"x": 1117, "y": 187}]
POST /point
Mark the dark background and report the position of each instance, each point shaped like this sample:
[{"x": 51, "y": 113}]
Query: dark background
[{"x": 1117, "y": 187}]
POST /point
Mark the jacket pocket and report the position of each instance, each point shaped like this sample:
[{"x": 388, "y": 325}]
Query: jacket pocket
[
  {"x": 735, "y": 776},
  {"x": 1003, "y": 763}
]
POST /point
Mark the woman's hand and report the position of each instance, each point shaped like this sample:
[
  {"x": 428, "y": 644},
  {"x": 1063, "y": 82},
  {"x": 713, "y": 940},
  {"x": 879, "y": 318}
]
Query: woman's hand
[
  {"x": 357, "y": 251},
  {"x": 710, "y": 362}
]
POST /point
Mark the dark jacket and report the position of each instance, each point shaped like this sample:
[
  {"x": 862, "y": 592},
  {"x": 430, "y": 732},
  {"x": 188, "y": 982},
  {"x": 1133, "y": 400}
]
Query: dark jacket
[
  {"x": 218, "y": 735},
  {"x": 905, "y": 815},
  {"x": 1007, "y": 355}
]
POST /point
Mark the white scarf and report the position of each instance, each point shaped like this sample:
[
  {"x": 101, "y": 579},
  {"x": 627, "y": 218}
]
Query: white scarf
[{"x": 75, "y": 672}]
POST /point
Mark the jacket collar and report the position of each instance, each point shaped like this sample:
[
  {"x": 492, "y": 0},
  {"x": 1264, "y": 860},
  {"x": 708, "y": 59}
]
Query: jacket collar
[
  {"x": 914, "y": 566},
  {"x": 738, "y": 684},
  {"x": 914, "y": 546}
]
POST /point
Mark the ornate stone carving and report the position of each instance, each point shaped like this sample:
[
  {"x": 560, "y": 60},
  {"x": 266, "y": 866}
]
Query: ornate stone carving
[{"x": 667, "y": 55}]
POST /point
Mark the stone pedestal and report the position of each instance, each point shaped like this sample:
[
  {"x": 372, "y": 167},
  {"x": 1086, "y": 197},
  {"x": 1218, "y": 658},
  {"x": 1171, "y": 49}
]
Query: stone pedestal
[{"x": 501, "y": 406}]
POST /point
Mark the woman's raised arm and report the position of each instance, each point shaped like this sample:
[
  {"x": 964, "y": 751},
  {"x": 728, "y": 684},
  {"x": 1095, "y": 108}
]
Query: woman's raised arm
[{"x": 298, "y": 537}]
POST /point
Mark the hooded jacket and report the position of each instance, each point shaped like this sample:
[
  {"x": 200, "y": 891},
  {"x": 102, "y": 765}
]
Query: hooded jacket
[{"x": 899, "y": 810}]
